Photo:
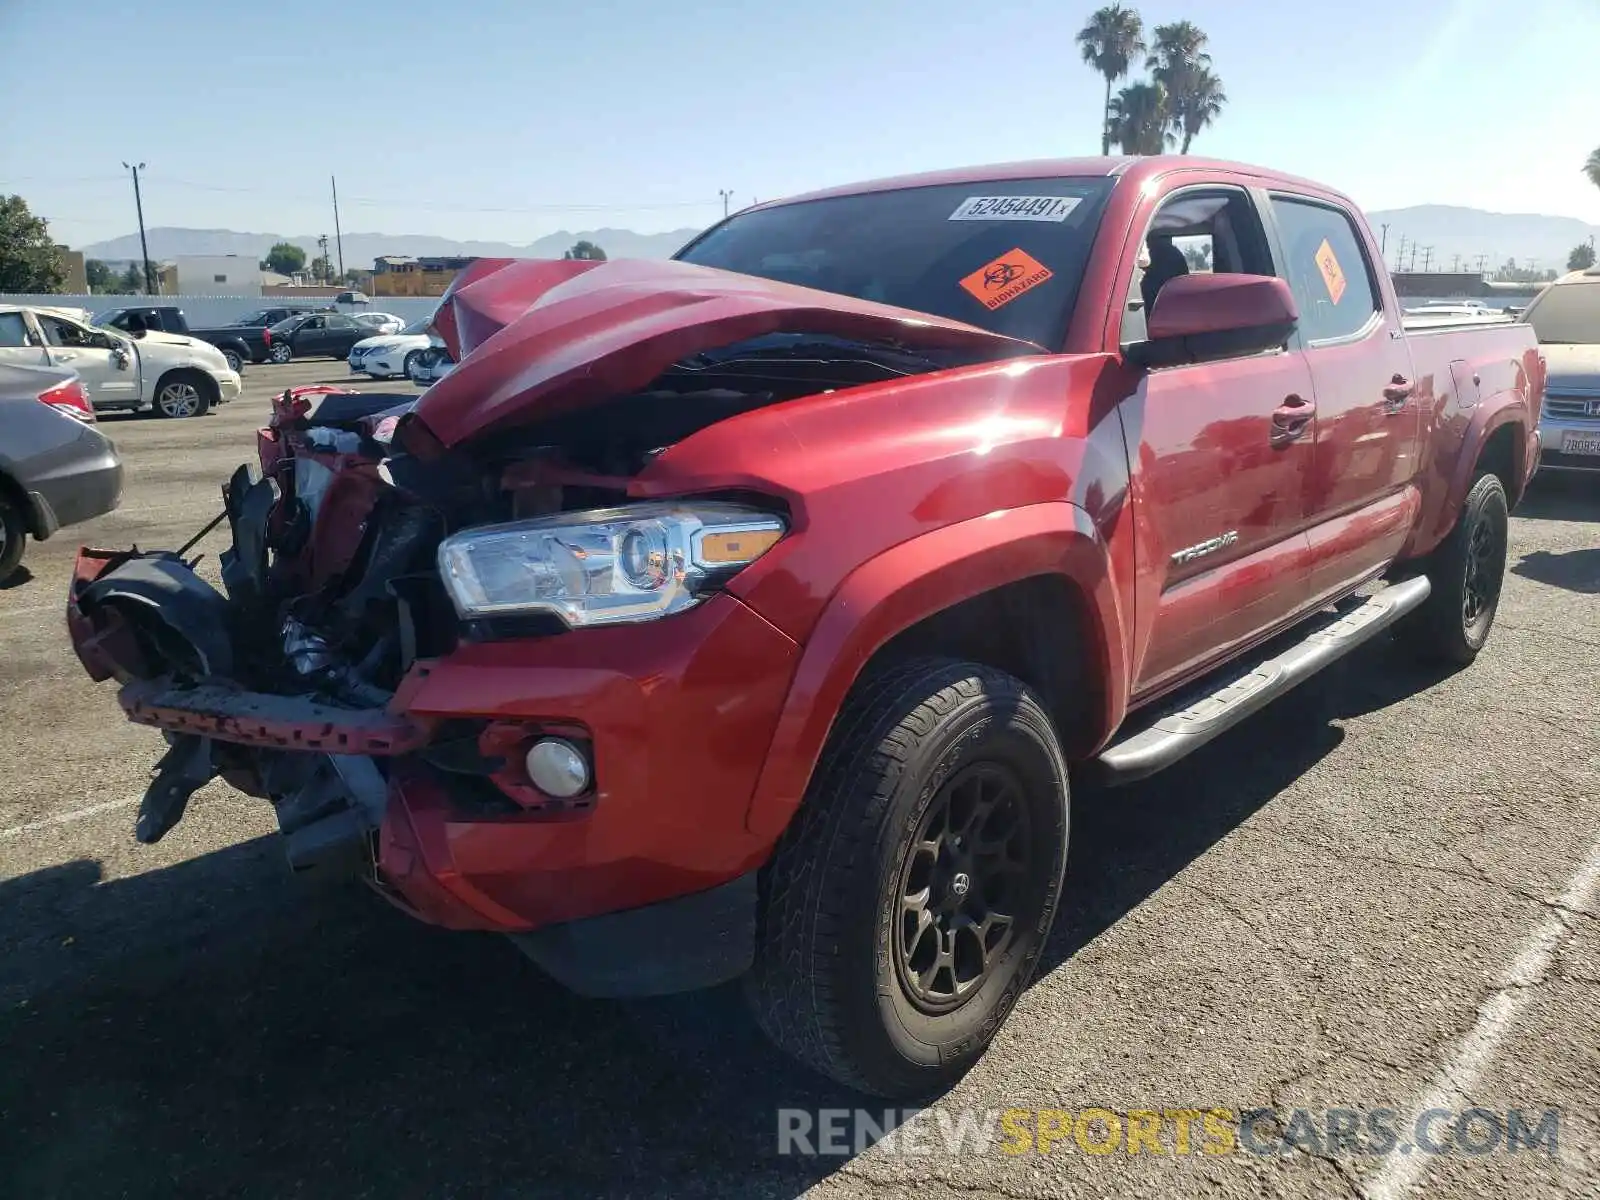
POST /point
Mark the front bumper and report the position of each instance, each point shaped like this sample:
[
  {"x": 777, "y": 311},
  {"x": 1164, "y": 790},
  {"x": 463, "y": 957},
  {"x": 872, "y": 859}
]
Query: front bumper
[
  {"x": 679, "y": 715},
  {"x": 1558, "y": 432},
  {"x": 229, "y": 384}
]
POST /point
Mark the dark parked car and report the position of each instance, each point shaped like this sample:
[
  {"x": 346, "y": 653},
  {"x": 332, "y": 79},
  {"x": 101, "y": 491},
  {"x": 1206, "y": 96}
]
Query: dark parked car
[
  {"x": 314, "y": 335},
  {"x": 56, "y": 468},
  {"x": 244, "y": 341}
]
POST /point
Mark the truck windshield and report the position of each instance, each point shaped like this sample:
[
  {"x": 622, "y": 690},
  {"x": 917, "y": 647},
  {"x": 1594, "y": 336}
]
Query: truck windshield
[
  {"x": 1004, "y": 255},
  {"x": 1568, "y": 312}
]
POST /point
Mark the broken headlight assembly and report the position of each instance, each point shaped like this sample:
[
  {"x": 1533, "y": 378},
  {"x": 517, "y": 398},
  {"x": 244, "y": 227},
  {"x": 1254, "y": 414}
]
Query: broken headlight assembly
[{"x": 606, "y": 566}]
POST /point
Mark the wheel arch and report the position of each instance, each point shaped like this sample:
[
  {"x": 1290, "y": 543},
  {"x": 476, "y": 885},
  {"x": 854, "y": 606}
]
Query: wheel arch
[
  {"x": 1027, "y": 590},
  {"x": 209, "y": 388}
]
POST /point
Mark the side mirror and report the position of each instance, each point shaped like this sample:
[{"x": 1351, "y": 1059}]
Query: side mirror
[{"x": 1198, "y": 318}]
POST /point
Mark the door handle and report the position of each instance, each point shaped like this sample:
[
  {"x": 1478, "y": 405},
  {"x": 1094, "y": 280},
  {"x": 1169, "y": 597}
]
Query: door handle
[
  {"x": 1397, "y": 393},
  {"x": 1291, "y": 420},
  {"x": 63, "y": 355}
]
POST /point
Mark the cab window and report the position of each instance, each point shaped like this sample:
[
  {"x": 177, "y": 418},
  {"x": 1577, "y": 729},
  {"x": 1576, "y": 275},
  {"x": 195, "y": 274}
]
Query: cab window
[
  {"x": 1328, "y": 269},
  {"x": 58, "y": 332},
  {"x": 1195, "y": 231}
]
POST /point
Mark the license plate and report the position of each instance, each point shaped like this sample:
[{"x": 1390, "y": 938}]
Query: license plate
[{"x": 1579, "y": 441}]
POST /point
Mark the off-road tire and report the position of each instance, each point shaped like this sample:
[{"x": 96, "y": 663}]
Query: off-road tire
[
  {"x": 13, "y": 536},
  {"x": 1448, "y": 627},
  {"x": 830, "y": 983}
]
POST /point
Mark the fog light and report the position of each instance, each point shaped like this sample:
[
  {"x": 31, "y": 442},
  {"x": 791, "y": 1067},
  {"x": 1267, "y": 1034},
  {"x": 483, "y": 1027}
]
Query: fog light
[{"x": 557, "y": 768}]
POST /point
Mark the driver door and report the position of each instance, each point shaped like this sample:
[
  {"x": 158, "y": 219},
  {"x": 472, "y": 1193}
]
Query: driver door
[
  {"x": 311, "y": 338},
  {"x": 110, "y": 378}
]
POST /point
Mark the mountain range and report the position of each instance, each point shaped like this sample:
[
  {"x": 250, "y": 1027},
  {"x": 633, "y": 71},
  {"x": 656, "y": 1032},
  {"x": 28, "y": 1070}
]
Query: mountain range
[
  {"x": 1449, "y": 230},
  {"x": 360, "y": 249}
]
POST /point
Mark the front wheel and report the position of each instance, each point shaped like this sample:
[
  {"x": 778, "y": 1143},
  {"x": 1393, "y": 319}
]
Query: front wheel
[
  {"x": 1466, "y": 571},
  {"x": 280, "y": 353},
  {"x": 182, "y": 397},
  {"x": 408, "y": 367},
  {"x": 906, "y": 907}
]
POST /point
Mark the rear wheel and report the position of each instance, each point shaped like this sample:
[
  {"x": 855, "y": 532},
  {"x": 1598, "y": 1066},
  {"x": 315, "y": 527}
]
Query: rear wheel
[
  {"x": 234, "y": 361},
  {"x": 13, "y": 536},
  {"x": 906, "y": 907},
  {"x": 280, "y": 353},
  {"x": 1466, "y": 571}
]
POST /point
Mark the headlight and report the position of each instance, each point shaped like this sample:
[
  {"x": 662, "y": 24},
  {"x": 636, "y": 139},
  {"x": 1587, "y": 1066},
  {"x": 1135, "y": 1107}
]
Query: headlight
[{"x": 606, "y": 566}]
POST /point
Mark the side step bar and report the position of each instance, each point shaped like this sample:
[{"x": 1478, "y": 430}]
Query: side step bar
[{"x": 1183, "y": 730}]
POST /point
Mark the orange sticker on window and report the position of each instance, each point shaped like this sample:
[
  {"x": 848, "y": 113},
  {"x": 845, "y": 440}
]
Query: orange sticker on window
[
  {"x": 1332, "y": 273},
  {"x": 1007, "y": 277}
]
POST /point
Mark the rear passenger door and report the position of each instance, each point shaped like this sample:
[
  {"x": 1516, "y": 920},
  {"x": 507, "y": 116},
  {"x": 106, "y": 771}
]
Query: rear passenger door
[
  {"x": 343, "y": 332},
  {"x": 1360, "y": 494},
  {"x": 20, "y": 346}
]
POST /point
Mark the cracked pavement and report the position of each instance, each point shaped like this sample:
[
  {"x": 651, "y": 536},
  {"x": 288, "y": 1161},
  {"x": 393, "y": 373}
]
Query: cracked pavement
[{"x": 1312, "y": 912}]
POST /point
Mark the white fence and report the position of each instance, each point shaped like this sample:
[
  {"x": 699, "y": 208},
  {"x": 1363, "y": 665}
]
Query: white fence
[{"x": 203, "y": 311}]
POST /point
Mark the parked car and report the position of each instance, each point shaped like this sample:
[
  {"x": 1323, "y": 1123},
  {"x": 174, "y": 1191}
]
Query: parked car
[
  {"x": 391, "y": 356},
  {"x": 171, "y": 375},
  {"x": 56, "y": 468},
  {"x": 381, "y": 321},
  {"x": 745, "y": 613},
  {"x": 432, "y": 365},
  {"x": 1566, "y": 319},
  {"x": 314, "y": 335},
  {"x": 242, "y": 342}
]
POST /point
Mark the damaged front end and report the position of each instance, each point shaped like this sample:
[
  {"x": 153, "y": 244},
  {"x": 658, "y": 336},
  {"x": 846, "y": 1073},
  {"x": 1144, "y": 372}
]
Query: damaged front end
[
  {"x": 420, "y": 591},
  {"x": 284, "y": 682}
]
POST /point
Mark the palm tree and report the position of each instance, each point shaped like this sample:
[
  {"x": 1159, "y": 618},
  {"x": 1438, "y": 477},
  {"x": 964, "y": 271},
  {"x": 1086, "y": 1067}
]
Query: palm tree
[
  {"x": 1179, "y": 63},
  {"x": 1110, "y": 42},
  {"x": 1592, "y": 168},
  {"x": 1199, "y": 105},
  {"x": 1138, "y": 120}
]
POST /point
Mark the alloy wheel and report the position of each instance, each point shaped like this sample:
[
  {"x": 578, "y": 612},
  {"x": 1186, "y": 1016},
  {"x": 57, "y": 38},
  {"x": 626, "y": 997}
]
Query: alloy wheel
[
  {"x": 179, "y": 400},
  {"x": 960, "y": 886}
]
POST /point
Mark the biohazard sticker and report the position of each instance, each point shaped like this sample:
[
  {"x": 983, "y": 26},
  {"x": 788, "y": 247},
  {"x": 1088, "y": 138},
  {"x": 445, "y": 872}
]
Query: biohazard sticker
[
  {"x": 1000, "y": 282},
  {"x": 1332, "y": 272},
  {"x": 1015, "y": 208}
]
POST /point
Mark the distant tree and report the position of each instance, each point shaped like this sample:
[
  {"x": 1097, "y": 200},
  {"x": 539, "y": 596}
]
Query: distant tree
[
  {"x": 1139, "y": 123},
  {"x": 586, "y": 250},
  {"x": 99, "y": 275},
  {"x": 1581, "y": 258},
  {"x": 1591, "y": 168},
  {"x": 1109, "y": 42},
  {"x": 1179, "y": 63},
  {"x": 1199, "y": 258},
  {"x": 29, "y": 260},
  {"x": 286, "y": 258},
  {"x": 131, "y": 282},
  {"x": 321, "y": 269}
]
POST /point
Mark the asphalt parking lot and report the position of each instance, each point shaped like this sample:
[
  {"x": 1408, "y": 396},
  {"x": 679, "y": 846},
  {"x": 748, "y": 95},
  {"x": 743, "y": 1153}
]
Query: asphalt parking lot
[{"x": 1379, "y": 894}]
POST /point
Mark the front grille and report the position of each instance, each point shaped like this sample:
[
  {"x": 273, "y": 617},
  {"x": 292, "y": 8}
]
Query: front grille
[{"x": 1574, "y": 408}]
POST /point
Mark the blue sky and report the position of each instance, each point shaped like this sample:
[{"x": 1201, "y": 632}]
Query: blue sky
[{"x": 508, "y": 120}]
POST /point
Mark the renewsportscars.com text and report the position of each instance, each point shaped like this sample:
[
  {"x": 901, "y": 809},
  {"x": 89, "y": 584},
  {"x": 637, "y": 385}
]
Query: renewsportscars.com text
[{"x": 1341, "y": 1132}]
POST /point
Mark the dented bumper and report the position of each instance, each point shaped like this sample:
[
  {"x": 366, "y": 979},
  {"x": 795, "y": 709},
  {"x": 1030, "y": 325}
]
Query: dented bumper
[{"x": 678, "y": 727}]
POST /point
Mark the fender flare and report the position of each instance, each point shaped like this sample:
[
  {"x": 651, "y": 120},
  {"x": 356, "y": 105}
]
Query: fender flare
[
  {"x": 1494, "y": 413},
  {"x": 912, "y": 581}
]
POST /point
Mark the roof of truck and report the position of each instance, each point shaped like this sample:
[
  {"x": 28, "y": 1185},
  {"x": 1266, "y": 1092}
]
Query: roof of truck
[{"x": 1137, "y": 169}]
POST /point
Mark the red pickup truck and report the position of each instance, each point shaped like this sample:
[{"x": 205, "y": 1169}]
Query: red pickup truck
[{"x": 748, "y": 613}]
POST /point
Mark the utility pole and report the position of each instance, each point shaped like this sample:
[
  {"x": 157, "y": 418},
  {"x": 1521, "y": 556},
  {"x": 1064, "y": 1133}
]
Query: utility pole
[
  {"x": 144, "y": 247},
  {"x": 338, "y": 237},
  {"x": 1427, "y": 258},
  {"x": 1483, "y": 263},
  {"x": 1455, "y": 264},
  {"x": 322, "y": 244},
  {"x": 1413, "y": 266},
  {"x": 1400, "y": 257},
  {"x": 726, "y": 196}
]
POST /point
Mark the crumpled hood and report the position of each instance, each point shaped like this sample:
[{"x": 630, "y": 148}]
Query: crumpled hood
[
  {"x": 1569, "y": 366},
  {"x": 534, "y": 338}
]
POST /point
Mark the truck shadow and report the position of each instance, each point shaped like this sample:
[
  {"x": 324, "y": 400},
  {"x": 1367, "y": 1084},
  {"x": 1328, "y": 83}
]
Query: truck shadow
[{"x": 219, "y": 1027}]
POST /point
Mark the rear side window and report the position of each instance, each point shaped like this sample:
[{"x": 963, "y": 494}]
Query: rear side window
[
  {"x": 1333, "y": 285},
  {"x": 13, "y": 330}
]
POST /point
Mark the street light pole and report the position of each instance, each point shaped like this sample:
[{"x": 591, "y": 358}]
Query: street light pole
[
  {"x": 144, "y": 247},
  {"x": 726, "y": 196}
]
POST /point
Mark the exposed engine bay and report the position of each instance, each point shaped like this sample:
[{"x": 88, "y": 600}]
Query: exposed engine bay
[{"x": 332, "y": 593}]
